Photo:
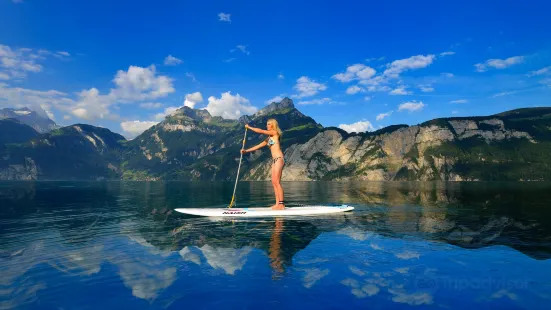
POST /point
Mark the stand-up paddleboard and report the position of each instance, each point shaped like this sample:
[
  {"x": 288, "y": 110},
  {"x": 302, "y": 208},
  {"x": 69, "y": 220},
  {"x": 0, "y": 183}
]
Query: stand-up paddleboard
[{"x": 265, "y": 212}]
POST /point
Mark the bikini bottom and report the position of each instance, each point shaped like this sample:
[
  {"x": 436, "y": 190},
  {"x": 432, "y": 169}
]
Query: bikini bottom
[{"x": 274, "y": 160}]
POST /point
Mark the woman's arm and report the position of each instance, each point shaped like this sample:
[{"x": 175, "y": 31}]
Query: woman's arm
[
  {"x": 262, "y": 131},
  {"x": 254, "y": 148}
]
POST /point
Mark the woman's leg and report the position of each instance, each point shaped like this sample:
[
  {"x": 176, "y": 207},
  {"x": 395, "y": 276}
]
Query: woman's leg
[
  {"x": 274, "y": 184},
  {"x": 277, "y": 169}
]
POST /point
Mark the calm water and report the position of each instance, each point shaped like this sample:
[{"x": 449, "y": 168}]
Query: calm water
[{"x": 117, "y": 245}]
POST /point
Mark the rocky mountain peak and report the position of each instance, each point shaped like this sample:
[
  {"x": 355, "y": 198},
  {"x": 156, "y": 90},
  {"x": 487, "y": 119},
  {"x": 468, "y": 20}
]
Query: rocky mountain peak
[
  {"x": 195, "y": 114},
  {"x": 285, "y": 103},
  {"x": 38, "y": 121}
]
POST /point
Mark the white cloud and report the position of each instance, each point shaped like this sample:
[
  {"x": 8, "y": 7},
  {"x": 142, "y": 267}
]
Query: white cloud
[
  {"x": 307, "y": 87},
  {"x": 460, "y": 101},
  {"x": 505, "y": 93},
  {"x": 229, "y": 106},
  {"x": 281, "y": 76},
  {"x": 540, "y": 71},
  {"x": 47, "y": 109},
  {"x": 400, "y": 91},
  {"x": 136, "y": 84},
  {"x": 193, "y": 99},
  {"x": 367, "y": 98},
  {"x": 19, "y": 61},
  {"x": 426, "y": 88},
  {"x": 172, "y": 61},
  {"x": 315, "y": 101},
  {"x": 4, "y": 76},
  {"x": 62, "y": 53},
  {"x": 224, "y": 17},
  {"x": 242, "y": 48},
  {"x": 411, "y": 106},
  {"x": 134, "y": 128},
  {"x": 229, "y": 59},
  {"x": 360, "y": 126},
  {"x": 353, "y": 90},
  {"x": 151, "y": 105},
  {"x": 40, "y": 101},
  {"x": 31, "y": 67},
  {"x": 141, "y": 84},
  {"x": 414, "y": 62},
  {"x": 355, "y": 72},
  {"x": 378, "y": 88},
  {"x": 368, "y": 77},
  {"x": 274, "y": 99},
  {"x": 499, "y": 63},
  {"x": 447, "y": 54},
  {"x": 91, "y": 105},
  {"x": 480, "y": 67},
  {"x": 191, "y": 76},
  {"x": 383, "y": 115},
  {"x": 375, "y": 58},
  {"x": 455, "y": 112},
  {"x": 448, "y": 75}
]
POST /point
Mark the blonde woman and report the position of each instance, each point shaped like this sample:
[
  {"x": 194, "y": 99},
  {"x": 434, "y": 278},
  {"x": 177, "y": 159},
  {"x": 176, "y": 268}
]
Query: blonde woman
[{"x": 274, "y": 134}]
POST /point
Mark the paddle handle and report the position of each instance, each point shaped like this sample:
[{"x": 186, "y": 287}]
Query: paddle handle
[{"x": 238, "y": 168}]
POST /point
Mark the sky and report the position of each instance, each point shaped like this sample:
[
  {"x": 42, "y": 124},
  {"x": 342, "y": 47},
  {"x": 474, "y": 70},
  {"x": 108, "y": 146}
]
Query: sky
[{"x": 357, "y": 65}]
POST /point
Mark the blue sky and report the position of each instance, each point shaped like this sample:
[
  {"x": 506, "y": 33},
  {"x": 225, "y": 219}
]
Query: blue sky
[{"x": 359, "y": 65}]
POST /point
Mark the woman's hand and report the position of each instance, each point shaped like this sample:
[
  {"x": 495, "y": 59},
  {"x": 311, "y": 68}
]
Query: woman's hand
[
  {"x": 243, "y": 151},
  {"x": 247, "y": 126}
]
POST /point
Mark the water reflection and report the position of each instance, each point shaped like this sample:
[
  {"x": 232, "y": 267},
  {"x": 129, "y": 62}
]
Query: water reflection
[{"x": 434, "y": 244}]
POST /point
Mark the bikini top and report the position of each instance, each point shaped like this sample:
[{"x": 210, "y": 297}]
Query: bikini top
[{"x": 271, "y": 141}]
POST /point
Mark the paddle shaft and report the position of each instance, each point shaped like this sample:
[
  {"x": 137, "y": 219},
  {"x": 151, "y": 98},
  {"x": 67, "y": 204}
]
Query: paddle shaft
[{"x": 238, "y": 168}]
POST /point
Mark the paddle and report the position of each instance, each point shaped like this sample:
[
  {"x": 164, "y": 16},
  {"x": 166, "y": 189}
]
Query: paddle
[{"x": 232, "y": 203}]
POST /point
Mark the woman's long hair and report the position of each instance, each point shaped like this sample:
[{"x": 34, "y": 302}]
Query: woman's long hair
[{"x": 275, "y": 124}]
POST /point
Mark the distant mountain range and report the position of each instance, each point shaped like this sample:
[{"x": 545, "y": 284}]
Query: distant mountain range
[
  {"x": 41, "y": 124},
  {"x": 191, "y": 144}
]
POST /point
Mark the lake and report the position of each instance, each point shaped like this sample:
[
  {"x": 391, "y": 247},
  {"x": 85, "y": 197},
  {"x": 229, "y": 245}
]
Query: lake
[{"x": 407, "y": 245}]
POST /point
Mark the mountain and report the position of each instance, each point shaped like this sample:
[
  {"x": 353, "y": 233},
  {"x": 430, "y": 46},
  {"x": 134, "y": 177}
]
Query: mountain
[
  {"x": 40, "y": 122},
  {"x": 191, "y": 144},
  {"x": 77, "y": 152},
  {"x": 13, "y": 131},
  {"x": 514, "y": 145}
]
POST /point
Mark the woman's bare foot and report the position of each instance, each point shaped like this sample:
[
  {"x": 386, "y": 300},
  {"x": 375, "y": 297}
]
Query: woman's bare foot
[{"x": 278, "y": 207}]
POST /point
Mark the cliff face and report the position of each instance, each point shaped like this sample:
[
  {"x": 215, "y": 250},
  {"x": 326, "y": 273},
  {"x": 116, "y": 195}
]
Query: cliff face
[{"x": 444, "y": 149}]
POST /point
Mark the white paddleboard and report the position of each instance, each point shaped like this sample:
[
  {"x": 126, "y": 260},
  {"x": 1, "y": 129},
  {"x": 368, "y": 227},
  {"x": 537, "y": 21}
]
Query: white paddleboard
[{"x": 265, "y": 212}]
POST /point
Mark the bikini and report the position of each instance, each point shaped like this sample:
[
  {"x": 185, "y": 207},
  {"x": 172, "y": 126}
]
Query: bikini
[{"x": 270, "y": 143}]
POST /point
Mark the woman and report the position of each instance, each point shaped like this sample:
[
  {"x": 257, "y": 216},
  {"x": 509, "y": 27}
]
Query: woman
[{"x": 274, "y": 134}]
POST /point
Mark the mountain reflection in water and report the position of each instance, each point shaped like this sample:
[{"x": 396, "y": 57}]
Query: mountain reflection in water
[{"x": 119, "y": 244}]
